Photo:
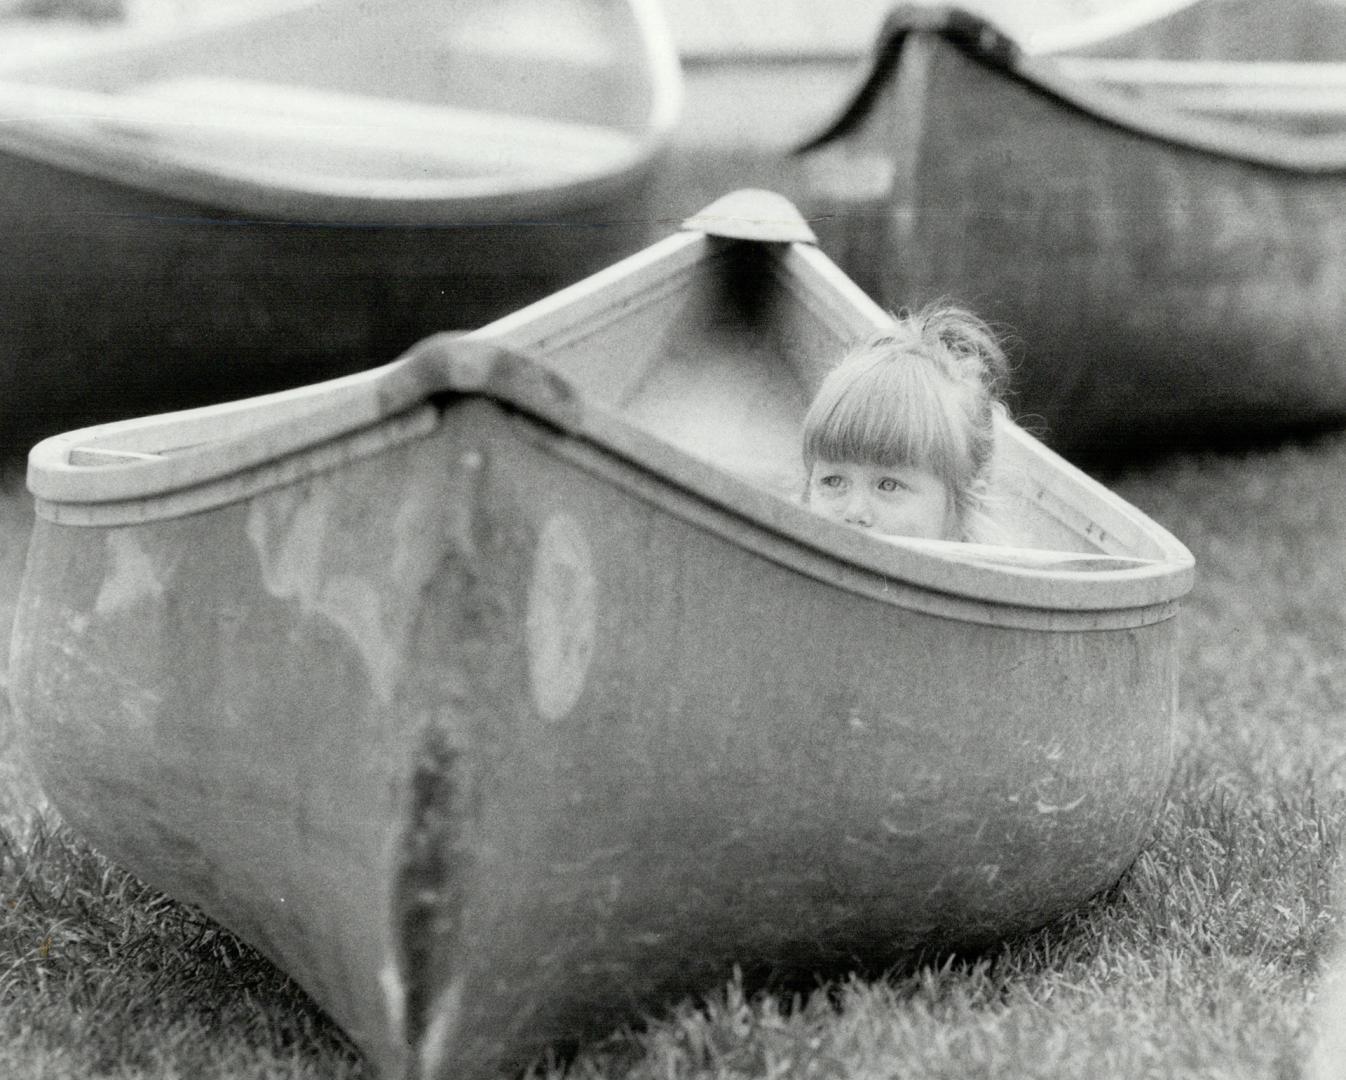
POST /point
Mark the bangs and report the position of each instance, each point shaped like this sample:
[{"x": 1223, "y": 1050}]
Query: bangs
[{"x": 878, "y": 410}]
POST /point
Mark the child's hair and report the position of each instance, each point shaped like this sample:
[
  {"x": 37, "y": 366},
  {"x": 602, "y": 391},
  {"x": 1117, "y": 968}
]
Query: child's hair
[{"x": 924, "y": 393}]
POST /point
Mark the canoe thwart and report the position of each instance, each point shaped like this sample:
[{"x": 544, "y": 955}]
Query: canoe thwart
[
  {"x": 95, "y": 456},
  {"x": 753, "y": 214},
  {"x": 250, "y": 126},
  {"x": 1266, "y": 74},
  {"x": 1254, "y": 88}
]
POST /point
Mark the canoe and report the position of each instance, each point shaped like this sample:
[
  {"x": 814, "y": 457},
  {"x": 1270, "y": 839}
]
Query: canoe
[
  {"x": 213, "y": 210},
  {"x": 1165, "y": 236},
  {"x": 503, "y": 692}
]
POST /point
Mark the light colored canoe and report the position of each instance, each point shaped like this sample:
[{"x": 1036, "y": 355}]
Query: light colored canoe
[
  {"x": 503, "y": 692},
  {"x": 206, "y": 212},
  {"x": 1165, "y": 236}
]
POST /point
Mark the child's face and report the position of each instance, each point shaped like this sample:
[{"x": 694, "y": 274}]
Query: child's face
[{"x": 895, "y": 500}]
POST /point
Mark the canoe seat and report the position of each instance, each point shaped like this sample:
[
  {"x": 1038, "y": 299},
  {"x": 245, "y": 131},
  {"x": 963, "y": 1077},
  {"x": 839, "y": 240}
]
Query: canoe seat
[
  {"x": 242, "y": 126},
  {"x": 95, "y": 456},
  {"x": 1216, "y": 87}
]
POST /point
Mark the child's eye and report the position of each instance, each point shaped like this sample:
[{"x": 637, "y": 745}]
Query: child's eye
[
  {"x": 891, "y": 483},
  {"x": 831, "y": 480}
]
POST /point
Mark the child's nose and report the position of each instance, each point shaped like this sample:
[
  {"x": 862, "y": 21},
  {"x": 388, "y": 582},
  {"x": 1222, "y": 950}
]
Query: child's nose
[{"x": 858, "y": 509}]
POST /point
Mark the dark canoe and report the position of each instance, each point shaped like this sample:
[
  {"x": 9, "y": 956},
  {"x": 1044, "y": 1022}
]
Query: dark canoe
[
  {"x": 1165, "y": 237},
  {"x": 502, "y": 693},
  {"x": 236, "y": 206}
]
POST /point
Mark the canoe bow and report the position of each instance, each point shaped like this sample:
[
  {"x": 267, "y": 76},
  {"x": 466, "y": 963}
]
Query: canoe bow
[{"x": 985, "y": 43}]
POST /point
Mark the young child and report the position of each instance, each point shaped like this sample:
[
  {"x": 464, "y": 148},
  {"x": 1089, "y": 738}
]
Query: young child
[{"x": 900, "y": 437}]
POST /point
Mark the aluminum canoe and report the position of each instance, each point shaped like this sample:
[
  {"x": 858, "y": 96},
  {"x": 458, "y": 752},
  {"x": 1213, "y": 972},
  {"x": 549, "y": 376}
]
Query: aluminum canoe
[
  {"x": 504, "y": 693},
  {"x": 232, "y": 205},
  {"x": 1161, "y": 225}
]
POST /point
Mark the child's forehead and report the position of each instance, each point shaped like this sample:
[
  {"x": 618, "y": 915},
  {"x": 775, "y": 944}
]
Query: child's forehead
[
  {"x": 877, "y": 453},
  {"x": 860, "y": 464},
  {"x": 898, "y": 455}
]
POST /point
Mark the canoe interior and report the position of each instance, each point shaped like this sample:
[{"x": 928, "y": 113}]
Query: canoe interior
[
  {"x": 330, "y": 140},
  {"x": 339, "y": 90},
  {"x": 1273, "y": 65},
  {"x": 574, "y": 60},
  {"x": 713, "y": 352},
  {"x": 725, "y": 373},
  {"x": 1244, "y": 30}
]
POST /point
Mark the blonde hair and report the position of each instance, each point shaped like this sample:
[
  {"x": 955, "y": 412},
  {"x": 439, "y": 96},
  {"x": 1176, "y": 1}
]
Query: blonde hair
[{"x": 925, "y": 393}]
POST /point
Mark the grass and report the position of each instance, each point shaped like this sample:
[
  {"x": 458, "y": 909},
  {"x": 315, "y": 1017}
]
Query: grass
[
  {"x": 1203, "y": 962},
  {"x": 102, "y": 976}
]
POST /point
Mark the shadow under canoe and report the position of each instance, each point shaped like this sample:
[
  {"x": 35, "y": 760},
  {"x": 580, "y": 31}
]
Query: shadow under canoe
[
  {"x": 502, "y": 693},
  {"x": 217, "y": 209},
  {"x": 1167, "y": 238}
]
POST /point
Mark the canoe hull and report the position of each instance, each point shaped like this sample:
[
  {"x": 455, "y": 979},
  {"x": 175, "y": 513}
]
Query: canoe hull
[
  {"x": 130, "y": 303},
  {"x": 225, "y": 209},
  {"x": 1162, "y": 293},
  {"x": 560, "y": 749}
]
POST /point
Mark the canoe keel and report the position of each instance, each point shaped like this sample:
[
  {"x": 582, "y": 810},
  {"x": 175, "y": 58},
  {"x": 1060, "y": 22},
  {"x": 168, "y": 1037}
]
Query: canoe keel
[{"x": 558, "y": 752}]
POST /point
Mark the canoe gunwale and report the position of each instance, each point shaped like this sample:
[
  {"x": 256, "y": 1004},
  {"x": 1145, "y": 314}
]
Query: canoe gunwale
[
  {"x": 427, "y": 202},
  {"x": 934, "y": 582},
  {"x": 248, "y": 481},
  {"x": 982, "y": 42},
  {"x": 217, "y": 441},
  {"x": 410, "y": 398}
]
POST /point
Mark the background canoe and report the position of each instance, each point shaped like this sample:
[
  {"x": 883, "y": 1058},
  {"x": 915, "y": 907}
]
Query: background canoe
[
  {"x": 499, "y": 699},
  {"x": 215, "y": 210},
  {"x": 1170, "y": 257}
]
